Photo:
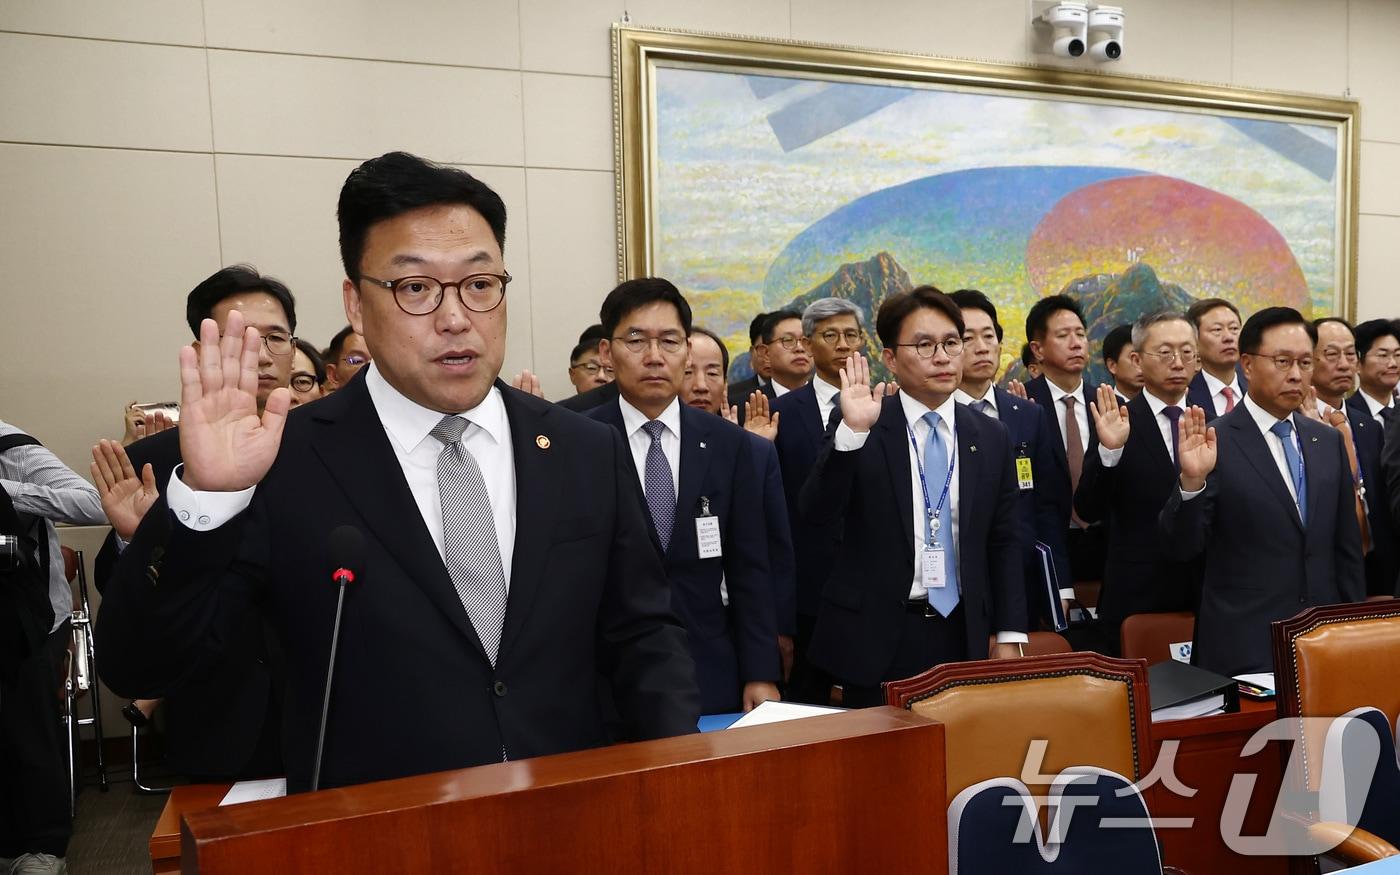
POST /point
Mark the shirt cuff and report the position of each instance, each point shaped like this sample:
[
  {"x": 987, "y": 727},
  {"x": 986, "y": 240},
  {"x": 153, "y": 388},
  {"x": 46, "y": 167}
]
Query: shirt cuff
[
  {"x": 847, "y": 440},
  {"x": 1013, "y": 638},
  {"x": 1067, "y": 592},
  {"x": 1108, "y": 457},
  {"x": 204, "y": 511},
  {"x": 1187, "y": 496}
]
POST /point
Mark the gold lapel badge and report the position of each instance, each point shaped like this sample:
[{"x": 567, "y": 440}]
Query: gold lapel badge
[{"x": 541, "y": 441}]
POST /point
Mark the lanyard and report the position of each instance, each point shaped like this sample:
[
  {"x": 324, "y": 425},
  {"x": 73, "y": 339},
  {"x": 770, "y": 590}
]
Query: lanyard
[{"x": 932, "y": 512}]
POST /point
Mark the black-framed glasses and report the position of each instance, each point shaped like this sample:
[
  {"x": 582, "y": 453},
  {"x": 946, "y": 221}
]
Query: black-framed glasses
[
  {"x": 1285, "y": 363},
  {"x": 592, "y": 369},
  {"x": 790, "y": 341},
  {"x": 355, "y": 360},
  {"x": 830, "y": 336},
  {"x": 276, "y": 342},
  {"x": 303, "y": 382},
  {"x": 925, "y": 348},
  {"x": 421, "y": 295},
  {"x": 1334, "y": 355},
  {"x": 669, "y": 344},
  {"x": 1187, "y": 356}
]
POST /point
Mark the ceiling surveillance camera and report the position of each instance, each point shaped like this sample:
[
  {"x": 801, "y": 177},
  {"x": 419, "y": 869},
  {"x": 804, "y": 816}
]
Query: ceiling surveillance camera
[
  {"x": 1070, "y": 25},
  {"x": 1106, "y": 33}
]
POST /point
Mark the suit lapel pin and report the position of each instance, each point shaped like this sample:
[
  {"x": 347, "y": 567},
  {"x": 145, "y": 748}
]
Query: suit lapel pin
[
  {"x": 972, "y": 449},
  {"x": 702, "y": 445},
  {"x": 541, "y": 441},
  {"x": 1314, "y": 440}
]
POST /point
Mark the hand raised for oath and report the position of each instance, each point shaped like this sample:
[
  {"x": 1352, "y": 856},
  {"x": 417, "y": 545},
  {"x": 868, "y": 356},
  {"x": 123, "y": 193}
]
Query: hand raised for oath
[
  {"x": 1110, "y": 419},
  {"x": 759, "y": 418},
  {"x": 1195, "y": 449},
  {"x": 860, "y": 405},
  {"x": 125, "y": 496}
]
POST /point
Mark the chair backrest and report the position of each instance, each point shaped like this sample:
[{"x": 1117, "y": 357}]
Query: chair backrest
[
  {"x": 1089, "y": 709},
  {"x": 70, "y": 563},
  {"x": 1330, "y": 660},
  {"x": 1150, "y": 636},
  {"x": 1040, "y": 644}
]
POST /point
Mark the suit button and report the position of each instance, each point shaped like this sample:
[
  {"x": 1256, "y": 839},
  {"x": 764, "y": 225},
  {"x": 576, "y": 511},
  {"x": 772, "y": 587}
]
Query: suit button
[{"x": 499, "y": 688}]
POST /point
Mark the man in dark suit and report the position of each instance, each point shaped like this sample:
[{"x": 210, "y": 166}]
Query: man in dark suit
[
  {"x": 1274, "y": 521},
  {"x": 930, "y": 565},
  {"x": 694, "y": 472},
  {"x": 1127, "y": 480},
  {"x": 1334, "y": 374},
  {"x": 1059, "y": 340},
  {"x": 762, "y": 377},
  {"x": 834, "y": 333},
  {"x": 1118, "y": 358},
  {"x": 1378, "y": 351},
  {"x": 501, "y": 557},
  {"x": 223, "y": 722},
  {"x": 1042, "y": 519},
  {"x": 1220, "y": 383}
]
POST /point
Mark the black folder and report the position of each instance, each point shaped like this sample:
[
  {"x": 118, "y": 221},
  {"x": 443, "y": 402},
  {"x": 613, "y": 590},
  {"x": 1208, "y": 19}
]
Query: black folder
[{"x": 1173, "y": 683}]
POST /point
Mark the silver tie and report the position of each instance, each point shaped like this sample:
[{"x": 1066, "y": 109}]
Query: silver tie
[{"x": 469, "y": 535}]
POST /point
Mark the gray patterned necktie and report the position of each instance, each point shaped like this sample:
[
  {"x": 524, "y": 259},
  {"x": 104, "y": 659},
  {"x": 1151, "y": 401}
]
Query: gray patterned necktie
[
  {"x": 983, "y": 406},
  {"x": 658, "y": 486},
  {"x": 469, "y": 543}
]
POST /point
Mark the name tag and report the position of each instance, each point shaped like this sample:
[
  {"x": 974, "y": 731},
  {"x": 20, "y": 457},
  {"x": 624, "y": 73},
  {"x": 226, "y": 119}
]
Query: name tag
[
  {"x": 934, "y": 574},
  {"x": 1024, "y": 478},
  {"x": 707, "y": 537}
]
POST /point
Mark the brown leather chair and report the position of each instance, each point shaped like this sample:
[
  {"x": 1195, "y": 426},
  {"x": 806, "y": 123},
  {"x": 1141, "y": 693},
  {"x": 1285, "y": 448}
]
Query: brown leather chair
[
  {"x": 1150, "y": 636},
  {"x": 1327, "y": 662},
  {"x": 1086, "y": 592}
]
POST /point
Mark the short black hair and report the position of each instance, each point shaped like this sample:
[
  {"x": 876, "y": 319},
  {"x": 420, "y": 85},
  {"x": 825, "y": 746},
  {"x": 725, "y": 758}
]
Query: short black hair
[
  {"x": 1252, "y": 334},
  {"x": 397, "y": 183},
  {"x": 582, "y": 348},
  {"x": 337, "y": 344},
  {"x": 1115, "y": 340},
  {"x": 1027, "y": 355},
  {"x": 1318, "y": 323},
  {"x": 594, "y": 333},
  {"x": 1038, "y": 319},
  {"x": 723, "y": 349},
  {"x": 235, "y": 280},
  {"x": 317, "y": 364},
  {"x": 1197, "y": 311},
  {"x": 756, "y": 328},
  {"x": 632, "y": 295},
  {"x": 972, "y": 299},
  {"x": 1372, "y": 330},
  {"x": 897, "y": 308},
  {"x": 770, "y": 324}
]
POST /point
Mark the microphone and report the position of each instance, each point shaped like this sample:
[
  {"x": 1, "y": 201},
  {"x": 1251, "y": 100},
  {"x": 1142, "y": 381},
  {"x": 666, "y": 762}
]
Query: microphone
[{"x": 345, "y": 546}]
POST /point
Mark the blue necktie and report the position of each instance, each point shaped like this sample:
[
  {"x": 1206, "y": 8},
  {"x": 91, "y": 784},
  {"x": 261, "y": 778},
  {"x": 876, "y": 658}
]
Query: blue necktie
[
  {"x": 1284, "y": 430},
  {"x": 945, "y": 599},
  {"x": 657, "y": 485}
]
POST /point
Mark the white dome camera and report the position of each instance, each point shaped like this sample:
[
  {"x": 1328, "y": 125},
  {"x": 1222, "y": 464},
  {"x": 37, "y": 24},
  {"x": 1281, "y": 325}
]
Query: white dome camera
[
  {"x": 1070, "y": 25},
  {"x": 1106, "y": 33}
]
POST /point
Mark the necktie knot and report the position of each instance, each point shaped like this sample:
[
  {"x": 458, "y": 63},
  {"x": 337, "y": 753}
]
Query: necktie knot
[
  {"x": 932, "y": 418},
  {"x": 450, "y": 429},
  {"x": 982, "y": 405},
  {"x": 1283, "y": 428},
  {"x": 1172, "y": 413},
  {"x": 1069, "y": 401},
  {"x": 654, "y": 428}
]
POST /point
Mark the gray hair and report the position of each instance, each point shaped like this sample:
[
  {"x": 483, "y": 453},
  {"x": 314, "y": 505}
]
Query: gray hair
[
  {"x": 1146, "y": 321},
  {"x": 825, "y": 309}
]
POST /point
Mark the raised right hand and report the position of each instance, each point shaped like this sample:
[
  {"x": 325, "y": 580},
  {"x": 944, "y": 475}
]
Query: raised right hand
[
  {"x": 860, "y": 405},
  {"x": 1110, "y": 419},
  {"x": 1195, "y": 449},
  {"x": 225, "y": 446},
  {"x": 125, "y": 496}
]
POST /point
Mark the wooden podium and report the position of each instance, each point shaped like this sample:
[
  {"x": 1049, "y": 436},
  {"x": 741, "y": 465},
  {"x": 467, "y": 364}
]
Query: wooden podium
[{"x": 861, "y": 791}]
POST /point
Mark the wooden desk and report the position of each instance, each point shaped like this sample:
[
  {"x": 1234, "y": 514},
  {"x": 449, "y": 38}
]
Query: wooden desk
[
  {"x": 165, "y": 838},
  {"x": 1207, "y": 759}
]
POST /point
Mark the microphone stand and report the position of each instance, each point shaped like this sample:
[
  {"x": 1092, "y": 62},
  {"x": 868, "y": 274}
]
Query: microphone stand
[{"x": 342, "y": 576}]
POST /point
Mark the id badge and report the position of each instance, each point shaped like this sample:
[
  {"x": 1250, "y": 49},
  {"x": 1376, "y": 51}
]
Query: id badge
[
  {"x": 1024, "y": 478},
  {"x": 934, "y": 574},
  {"x": 707, "y": 537}
]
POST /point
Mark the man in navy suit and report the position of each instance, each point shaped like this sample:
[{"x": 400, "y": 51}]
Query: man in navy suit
[
  {"x": 762, "y": 378},
  {"x": 1041, "y": 518},
  {"x": 1058, "y": 338},
  {"x": 1220, "y": 383},
  {"x": 504, "y": 573},
  {"x": 1378, "y": 351},
  {"x": 930, "y": 565},
  {"x": 1267, "y": 500},
  {"x": 1127, "y": 480},
  {"x": 695, "y": 475},
  {"x": 835, "y": 331},
  {"x": 1335, "y": 361}
]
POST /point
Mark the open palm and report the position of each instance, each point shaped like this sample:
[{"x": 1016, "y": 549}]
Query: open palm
[
  {"x": 860, "y": 404},
  {"x": 125, "y": 496},
  {"x": 1196, "y": 449}
]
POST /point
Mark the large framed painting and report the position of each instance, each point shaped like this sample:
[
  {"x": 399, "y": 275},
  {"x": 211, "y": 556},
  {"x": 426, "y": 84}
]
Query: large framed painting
[{"x": 758, "y": 174}]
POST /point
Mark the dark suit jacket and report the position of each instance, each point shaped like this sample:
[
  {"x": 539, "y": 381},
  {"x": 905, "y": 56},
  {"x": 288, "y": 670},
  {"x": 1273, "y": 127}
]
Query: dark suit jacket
[
  {"x": 1198, "y": 393},
  {"x": 1042, "y": 517},
  {"x": 225, "y": 721},
  {"x": 1260, "y": 563},
  {"x": 1060, "y": 494},
  {"x": 800, "y": 432},
  {"x": 595, "y": 397},
  {"x": 414, "y": 691},
  {"x": 1383, "y": 562},
  {"x": 740, "y": 392},
  {"x": 870, "y": 492},
  {"x": 781, "y": 561},
  {"x": 717, "y": 464},
  {"x": 1142, "y": 573}
]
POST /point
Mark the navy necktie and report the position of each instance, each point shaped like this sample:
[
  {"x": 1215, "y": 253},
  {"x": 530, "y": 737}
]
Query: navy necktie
[
  {"x": 658, "y": 486},
  {"x": 1173, "y": 415}
]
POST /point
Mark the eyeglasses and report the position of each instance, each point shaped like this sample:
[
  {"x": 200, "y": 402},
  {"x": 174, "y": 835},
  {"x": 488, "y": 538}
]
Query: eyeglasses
[
  {"x": 1384, "y": 355},
  {"x": 925, "y": 348},
  {"x": 1187, "y": 356},
  {"x": 355, "y": 360},
  {"x": 421, "y": 295},
  {"x": 831, "y": 336},
  {"x": 790, "y": 341},
  {"x": 592, "y": 369},
  {"x": 1285, "y": 363},
  {"x": 303, "y": 382},
  {"x": 277, "y": 343},
  {"x": 1334, "y": 355},
  {"x": 668, "y": 344}
]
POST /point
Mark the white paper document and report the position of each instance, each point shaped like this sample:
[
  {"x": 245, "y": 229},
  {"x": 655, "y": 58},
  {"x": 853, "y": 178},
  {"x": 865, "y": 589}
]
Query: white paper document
[
  {"x": 777, "y": 712},
  {"x": 1264, "y": 680},
  {"x": 255, "y": 791},
  {"x": 1202, "y": 707}
]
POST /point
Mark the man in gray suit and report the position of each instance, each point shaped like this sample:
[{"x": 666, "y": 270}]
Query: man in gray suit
[{"x": 1275, "y": 519}]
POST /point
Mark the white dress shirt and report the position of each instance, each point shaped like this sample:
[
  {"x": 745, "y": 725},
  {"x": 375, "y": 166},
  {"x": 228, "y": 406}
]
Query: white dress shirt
[
  {"x": 828, "y": 397},
  {"x": 639, "y": 442},
  {"x": 1376, "y": 407},
  {"x": 779, "y": 390},
  {"x": 408, "y": 426},
  {"x": 846, "y": 440},
  {"x": 1217, "y": 396},
  {"x": 1265, "y": 421},
  {"x": 1111, "y": 458},
  {"x": 990, "y": 397},
  {"x": 1081, "y": 413}
]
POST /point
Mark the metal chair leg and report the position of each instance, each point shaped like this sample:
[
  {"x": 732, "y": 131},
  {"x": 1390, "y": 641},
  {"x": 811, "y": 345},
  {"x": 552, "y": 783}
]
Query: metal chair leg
[
  {"x": 95, "y": 685},
  {"x": 136, "y": 770}
]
